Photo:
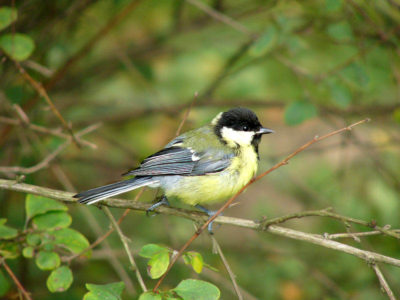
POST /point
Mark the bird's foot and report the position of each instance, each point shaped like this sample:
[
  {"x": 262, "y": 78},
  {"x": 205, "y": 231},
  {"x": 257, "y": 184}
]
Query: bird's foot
[
  {"x": 210, "y": 213},
  {"x": 163, "y": 201}
]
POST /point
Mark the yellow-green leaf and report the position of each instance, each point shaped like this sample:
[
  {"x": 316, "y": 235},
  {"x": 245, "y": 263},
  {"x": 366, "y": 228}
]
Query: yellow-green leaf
[
  {"x": 111, "y": 291},
  {"x": 71, "y": 240},
  {"x": 192, "y": 289},
  {"x": 150, "y": 250},
  {"x": 52, "y": 219},
  {"x": 7, "y": 232},
  {"x": 47, "y": 260},
  {"x": 28, "y": 252},
  {"x": 158, "y": 264},
  {"x": 60, "y": 279},
  {"x": 18, "y": 46},
  {"x": 150, "y": 296},
  {"x": 8, "y": 15},
  {"x": 36, "y": 205}
]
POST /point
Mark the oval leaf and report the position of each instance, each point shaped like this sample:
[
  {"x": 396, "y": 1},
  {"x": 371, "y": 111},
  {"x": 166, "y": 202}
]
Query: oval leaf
[
  {"x": 8, "y": 15},
  {"x": 33, "y": 239},
  {"x": 52, "y": 220},
  {"x": 111, "y": 291},
  {"x": 18, "y": 46},
  {"x": 150, "y": 250},
  {"x": 36, "y": 205},
  {"x": 158, "y": 264},
  {"x": 28, "y": 252},
  {"x": 299, "y": 111},
  {"x": 192, "y": 289},
  {"x": 7, "y": 232},
  {"x": 60, "y": 279},
  {"x": 265, "y": 43},
  {"x": 47, "y": 260},
  {"x": 71, "y": 239}
]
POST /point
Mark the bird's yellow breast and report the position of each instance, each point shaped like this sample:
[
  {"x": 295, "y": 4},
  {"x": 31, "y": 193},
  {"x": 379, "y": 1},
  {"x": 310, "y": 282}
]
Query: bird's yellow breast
[{"x": 217, "y": 187}]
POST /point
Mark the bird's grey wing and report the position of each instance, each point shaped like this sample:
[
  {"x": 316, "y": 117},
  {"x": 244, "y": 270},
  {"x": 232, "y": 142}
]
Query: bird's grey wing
[{"x": 181, "y": 161}]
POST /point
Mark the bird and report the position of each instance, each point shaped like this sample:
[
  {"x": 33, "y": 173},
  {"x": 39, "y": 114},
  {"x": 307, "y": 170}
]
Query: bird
[{"x": 201, "y": 167}]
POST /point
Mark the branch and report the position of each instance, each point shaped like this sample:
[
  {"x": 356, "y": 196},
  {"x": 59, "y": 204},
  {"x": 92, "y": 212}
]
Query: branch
[
  {"x": 198, "y": 216},
  {"x": 49, "y": 158},
  {"x": 385, "y": 286},
  {"x": 15, "y": 279}
]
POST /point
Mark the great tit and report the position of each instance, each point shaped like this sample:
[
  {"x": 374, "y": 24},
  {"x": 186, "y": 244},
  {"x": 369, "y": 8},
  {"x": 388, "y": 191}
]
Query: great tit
[{"x": 202, "y": 166}]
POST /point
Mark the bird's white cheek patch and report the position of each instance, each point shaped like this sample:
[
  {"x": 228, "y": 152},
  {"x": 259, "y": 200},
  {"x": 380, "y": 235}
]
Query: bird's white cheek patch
[{"x": 242, "y": 138}]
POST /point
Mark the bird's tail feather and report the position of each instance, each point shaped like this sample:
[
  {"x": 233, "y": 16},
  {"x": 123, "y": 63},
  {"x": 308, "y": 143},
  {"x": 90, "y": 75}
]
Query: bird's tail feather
[{"x": 94, "y": 195}]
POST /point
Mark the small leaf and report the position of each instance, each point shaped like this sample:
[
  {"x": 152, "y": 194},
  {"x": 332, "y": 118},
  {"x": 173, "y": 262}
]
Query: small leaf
[
  {"x": 6, "y": 232},
  {"x": 299, "y": 111},
  {"x": 36, "y": 205},
  {"x": 341, "y": 95},
  {"x": 18, "y": 46},
  {"x": 149, "y": 250},
  {"x": 28, "y": 252},
  {"x": 4, "y": 284},
  {"x": 158, "y": 264},
  {"x": 71, "y": 239},
  {"x": 9, "y": 250},
  {"x": 192, "y": 289},
  {"x": 33, "y": 239},
  {"x": 150, "y": 296},
  {"x": 265, "y": 43},
  {"x": 52, "y": 220},
  {"x": 8, "y": 15},
  {"x": 47, "y": 260},
  {"x": 60, "y": 279},
  {"x": 111, "y": 291},
  {"x": 196, "y": 260},
  {"x": 340, "y": 31}
]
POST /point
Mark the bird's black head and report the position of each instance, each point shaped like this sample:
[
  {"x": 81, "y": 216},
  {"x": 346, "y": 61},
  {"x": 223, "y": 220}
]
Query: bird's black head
[{"x": 239, "y": 126}]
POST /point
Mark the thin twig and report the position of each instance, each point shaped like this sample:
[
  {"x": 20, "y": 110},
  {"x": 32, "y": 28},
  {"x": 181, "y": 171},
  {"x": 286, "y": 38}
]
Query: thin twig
[
  {"x": 228, "y": 203},
  {"x": 232, "y": 276},
  {"x": 49, "y": 158},
  {"x": 178, "y": 131},
  {"x": 220, "y": 17},
  {"x": 384, "y": 285},
  {"x": 124, "y": 241},
  {"x": 42, "y": 92},
  {"x": 42, "y": 129},
  {"x": 15, "y": 279},
  {"x": 335, "y": 236}
]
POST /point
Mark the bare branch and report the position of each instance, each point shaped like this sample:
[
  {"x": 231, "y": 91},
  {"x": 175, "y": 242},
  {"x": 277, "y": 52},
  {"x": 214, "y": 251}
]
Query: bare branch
[
  {"x": 15, "y": 279},
  {"x": 385, "y": 286},
  {"x": 46, "y": 161}
]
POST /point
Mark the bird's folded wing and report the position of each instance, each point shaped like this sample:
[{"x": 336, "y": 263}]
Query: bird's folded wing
[{"x": 182, "y": 161}]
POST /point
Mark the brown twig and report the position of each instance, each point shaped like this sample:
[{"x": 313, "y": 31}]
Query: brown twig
[
  {"x": 42, "y": 92},
  {"x": 228, "y": 203},
  {"x": 42, "y": 129},
  {"x": 15, "y": 279},
  {"x": 49, "y": 158},
  {"x": 232, "y": 276},
  {"x": 384, "y": 285}
]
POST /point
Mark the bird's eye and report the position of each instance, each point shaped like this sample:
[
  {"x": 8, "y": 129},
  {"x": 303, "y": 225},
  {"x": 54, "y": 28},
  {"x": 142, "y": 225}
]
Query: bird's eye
[{"x": 245, "y": 128}]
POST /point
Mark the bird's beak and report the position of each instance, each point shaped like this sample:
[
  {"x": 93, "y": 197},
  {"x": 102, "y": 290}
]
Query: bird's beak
[{"x": 264, "y": 131}]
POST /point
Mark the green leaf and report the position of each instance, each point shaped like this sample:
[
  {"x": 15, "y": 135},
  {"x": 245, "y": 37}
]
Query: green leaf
[
  {"x": 265, "y": 43},
  {"x": 158, "y": 264},
  {"x": 150, "y": 296},
  {"x": 28, "y": 252},
  {"x": 340, "y": 31},
  {"x": 333, "y": 5},
  {"x": 71, "y": 239},
  {"x": 195, "y": 260},
  {"x": 52, "y": 220},
  {"x": 299, "y": 111},
  {"x": 18, "y": 46},
  {"x": 9, "y": 250},
  {"x": 47, "y": 260},
  {"x": 33, "y": 239},
  {"x": 60, "y": 279},
  {"x": 6, "y": 232},
  {"x": 4, "y": 284},
  {"x": 341, "y": 95},
  {"x": 111, "y": 291},
  {"x": 8, "y": 15},
  {"x": 192, "y": 289},
  {"x": 149, "y": 250},
  {"x": 36, "y": 205}
]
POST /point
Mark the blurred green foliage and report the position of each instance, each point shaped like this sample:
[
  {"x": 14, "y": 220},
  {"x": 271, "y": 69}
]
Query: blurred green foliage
[{"x": 306, "y": 67}]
